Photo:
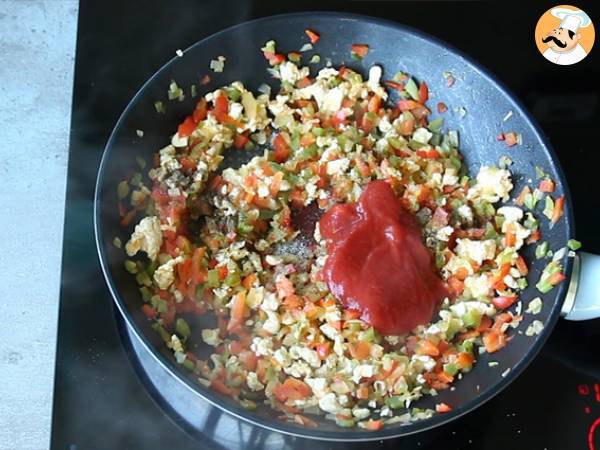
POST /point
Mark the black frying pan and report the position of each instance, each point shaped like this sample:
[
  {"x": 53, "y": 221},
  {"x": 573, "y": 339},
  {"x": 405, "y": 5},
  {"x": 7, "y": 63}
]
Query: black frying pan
[{"x": 398, "y": 48}]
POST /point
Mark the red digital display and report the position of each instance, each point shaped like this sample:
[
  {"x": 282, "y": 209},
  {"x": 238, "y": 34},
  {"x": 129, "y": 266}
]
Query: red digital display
[{"x": 593, "y": 436}]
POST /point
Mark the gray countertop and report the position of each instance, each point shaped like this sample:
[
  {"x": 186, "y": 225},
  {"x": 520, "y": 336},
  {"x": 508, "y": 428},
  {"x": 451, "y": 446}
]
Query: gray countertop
[{"x": 37, "y": 42}]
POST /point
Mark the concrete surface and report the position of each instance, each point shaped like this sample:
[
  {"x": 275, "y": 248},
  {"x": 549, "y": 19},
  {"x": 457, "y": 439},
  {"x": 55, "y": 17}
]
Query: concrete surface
[{"x": 37, "y": 46}]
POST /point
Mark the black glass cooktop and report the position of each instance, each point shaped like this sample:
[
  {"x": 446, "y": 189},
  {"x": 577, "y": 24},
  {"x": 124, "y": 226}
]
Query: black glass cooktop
[{"x": 104, "y": 399}]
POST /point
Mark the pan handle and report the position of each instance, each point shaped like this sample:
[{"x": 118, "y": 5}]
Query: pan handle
[{"x": 583, "y": 297}]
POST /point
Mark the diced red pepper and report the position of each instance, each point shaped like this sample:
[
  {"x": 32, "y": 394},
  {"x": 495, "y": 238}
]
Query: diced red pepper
[
  {"x": 443, "y": 408},
  {"x": 201, "y": 111},
  {"x": 559, "y": 207},
  {"x": 274, "y": 58},
  {"x": 406, "y": 105},
  {"x": 430, "y": 153},
  {"x": 394, "y": 85},
  {"x": 510, "y": 139},
  {"x": 281, "y": 149},
  {"x": 423, "y": 93},
  {"x": 313, "y": 36},
  {"x": 187, "y": 127},
  {"x": 360, "y": 50},
  {"x": 504, "y": 302},
  {"x": 240, "y": 141},
  {"x": 547, "y": 185}
]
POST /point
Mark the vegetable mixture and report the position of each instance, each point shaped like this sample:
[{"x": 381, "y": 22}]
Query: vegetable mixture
[{"x": 239, "y": 245}]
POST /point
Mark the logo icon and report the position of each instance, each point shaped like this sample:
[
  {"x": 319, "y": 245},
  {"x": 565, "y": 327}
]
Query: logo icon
[{"x": 564, "y": 35}]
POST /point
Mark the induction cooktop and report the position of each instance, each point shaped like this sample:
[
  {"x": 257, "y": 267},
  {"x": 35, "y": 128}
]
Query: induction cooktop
[{"x": 106, "y": 391}]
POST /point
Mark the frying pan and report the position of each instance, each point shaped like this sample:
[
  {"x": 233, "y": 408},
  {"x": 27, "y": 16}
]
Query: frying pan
[{"x": 396, "y": 47}]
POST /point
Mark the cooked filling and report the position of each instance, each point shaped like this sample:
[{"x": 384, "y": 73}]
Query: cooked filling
[{"x": 351, "y": 266}]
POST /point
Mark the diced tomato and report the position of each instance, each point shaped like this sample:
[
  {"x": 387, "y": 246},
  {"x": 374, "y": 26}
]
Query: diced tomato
[
  {"x": 510, "y": 236},
  {"x": 457, "y": 286},
  {"x": 426, "y": 347},
  {"x": 423, "y": 93},
  {"x": 441, "y": 107},
  {"x": 360, "y": 350},
  {"x": 240, "y": 141},
  {"x": 339, "y": 118},
  {"x": 374, "y": 425},
  {"x": 494, "y": 341},
  {"x": 520, "y": 200},
  {"x": 429, "y": 153},
  {"x": 198, "y": 271},
  {"x": 281, "y": 149},
  {"x": 249, "y": 281},
  {"x": 248, "y": 359},
  {"x": 406, "y": 126},
  {"x": 284, "y": 286},
  {"x": 307, "y": 140},
  {"x": 238, "y": 310},
  {"x": 188, "y": 163},
  {"x": 559, "y": 206},
  {"x": 291, "y": 389},
  {"x": 485, "y": 324},
  {"x": 443, "y": 408},
  {"x": 304, "y": 82},
  {"x": 222, "y": 272},
  {"x": 362, "y": 393},
  {"x": 360, "y": 50},
  {"x": 504, "y": 302},
  {"x": 313, "y": 36},
  {"x": 221, "y": 387},
  {"x": 547, "y": 185},
  {"x": 184, "y": 270},
  {"x": 522, "y": 266},
  {"x": 534, "y": 236},
  {"x": 406, "y": 105},
  {"x": 464, "y": 360},
  {"x": 149, "y": 311},
  {"x": 374, "y": 104}
]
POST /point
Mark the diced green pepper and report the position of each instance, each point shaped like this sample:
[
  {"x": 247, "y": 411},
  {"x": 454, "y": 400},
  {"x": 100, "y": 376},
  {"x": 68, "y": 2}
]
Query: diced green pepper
[
  {"x": 131, "y": 266},
  {"x": 394, "y": 402},
  {"x": 435, "y": 126},
  {"x": 233, "y": 94},
  {"x": 213, "y": 278},
  {"x": 541, "y": 250},
  {"x": 574, "y": 244},
  {"x": 182, "y": 328},
  {"x": 161, "y": 330},
  {"x": 189, "y": 365},
  {"x": 450, "y": 369},
  {"x": 412, "y": 89},
  {"x": 122, "y": 189},
  {"x": 146, "y": 293},
  {"x": 472, "y": 319}
]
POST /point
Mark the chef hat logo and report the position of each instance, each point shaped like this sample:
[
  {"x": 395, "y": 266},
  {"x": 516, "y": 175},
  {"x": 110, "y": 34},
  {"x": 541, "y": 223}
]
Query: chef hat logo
[
  {"x": 571, "y": 19},
  {"x": 564, "y": 35}
]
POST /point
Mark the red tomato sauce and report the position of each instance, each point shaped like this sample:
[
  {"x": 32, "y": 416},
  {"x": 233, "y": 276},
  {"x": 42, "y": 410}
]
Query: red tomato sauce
[{"x": 378, "y": 263}]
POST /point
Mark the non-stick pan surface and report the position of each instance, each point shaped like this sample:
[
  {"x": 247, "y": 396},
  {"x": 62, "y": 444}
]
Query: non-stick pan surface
[{"x": 481, "y": 103}]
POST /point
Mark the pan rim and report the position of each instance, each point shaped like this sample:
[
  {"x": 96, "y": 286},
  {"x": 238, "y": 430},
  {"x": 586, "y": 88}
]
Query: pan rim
[{"x": 285, "y": 427}]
